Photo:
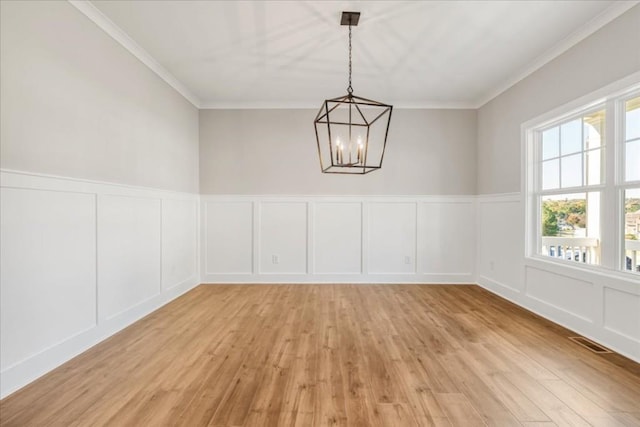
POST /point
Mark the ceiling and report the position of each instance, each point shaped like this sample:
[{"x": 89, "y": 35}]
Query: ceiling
[{"x": 277, "y": 54}]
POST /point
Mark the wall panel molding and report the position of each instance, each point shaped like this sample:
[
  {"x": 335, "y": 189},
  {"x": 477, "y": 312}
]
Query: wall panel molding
[
  {"x": 231, "y": 222},
  {"x": 337, "y": 221},
  {"x": 129, "y": 252},
  {"x": 82, "y": 260},
  {"x": 48, "y": 241},
  {"x": 340, "y": 237},
  {"x": 603, "y": 306},
  {"x": 282, "y": 237},
  {"x": 616, "y": 306}
]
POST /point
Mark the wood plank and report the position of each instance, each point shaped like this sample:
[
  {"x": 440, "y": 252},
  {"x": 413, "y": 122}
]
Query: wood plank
[
  {"x": 557, "y": 410},
  {"x": 627, "y": 419},
  {"x": 476, "y": 390},
  {"x": 459, "y": 410},
  {"x": 580, "y": 404},
  {"x": 335, "y": 355}
]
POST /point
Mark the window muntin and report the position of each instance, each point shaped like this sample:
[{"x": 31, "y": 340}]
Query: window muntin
[{"x": 571, "y": 152}]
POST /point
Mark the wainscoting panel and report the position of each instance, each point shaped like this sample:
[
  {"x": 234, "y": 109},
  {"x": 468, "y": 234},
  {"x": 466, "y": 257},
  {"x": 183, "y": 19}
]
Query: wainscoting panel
[
  {"x": 501, "y": 250},
  {"x": 228, "y": 237},
  {"x": 283, "y": 237},
  {"x": 560, "y": 291},
  {"x": 129, "y": 244},
  {"x": 81, "y": 260},
  {"x": 338, "y": 239},
  {"x": 392, "y": 238},
  {"x": 447, "y": 236},
  {"x": 48, "y": 270},
  {"x": 622, "y": 313},
  {"x": 179, "y": 241},
  {"x": 602, "y": 306}
]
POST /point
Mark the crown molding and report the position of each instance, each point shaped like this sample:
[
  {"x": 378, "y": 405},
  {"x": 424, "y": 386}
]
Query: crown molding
[
  {"x": 109, "y": 27},
  {"x": 308, "y": 106},
  {"x": 608, "y": 15}
]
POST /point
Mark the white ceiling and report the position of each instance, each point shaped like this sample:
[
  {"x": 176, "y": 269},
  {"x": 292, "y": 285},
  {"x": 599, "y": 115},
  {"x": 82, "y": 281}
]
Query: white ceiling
[{"x": 244, "y": 54}]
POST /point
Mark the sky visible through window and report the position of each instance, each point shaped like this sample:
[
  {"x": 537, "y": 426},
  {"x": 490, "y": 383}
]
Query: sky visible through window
[
  {"x": 565, "y": 152},
  {"x": 632, "y": 140},
  {"x": 633, "y": 119},
  {"x": 571, "y": 153}
]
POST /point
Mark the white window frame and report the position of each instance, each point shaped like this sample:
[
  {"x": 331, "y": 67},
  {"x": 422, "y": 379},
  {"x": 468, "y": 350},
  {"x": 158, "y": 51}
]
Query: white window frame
[
  {"x": 612, "y": 186},
  {"x": 621, "y": 183}
]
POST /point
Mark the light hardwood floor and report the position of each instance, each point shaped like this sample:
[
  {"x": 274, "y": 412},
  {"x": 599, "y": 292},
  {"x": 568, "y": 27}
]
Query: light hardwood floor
[{"x": 369, "y": 355}]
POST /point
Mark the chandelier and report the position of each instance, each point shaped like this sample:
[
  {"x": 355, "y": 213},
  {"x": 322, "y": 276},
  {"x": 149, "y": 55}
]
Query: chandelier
[{"x": 351, "y": 132}]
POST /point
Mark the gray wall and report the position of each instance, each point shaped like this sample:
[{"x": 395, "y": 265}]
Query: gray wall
[
  {"x": 429, "y": 152},
  {"x": 608, "y": 55},
  {"x": 76, "y": 103}
]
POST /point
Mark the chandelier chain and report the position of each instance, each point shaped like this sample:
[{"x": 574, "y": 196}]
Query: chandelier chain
[{"x": 350, "y": 89}]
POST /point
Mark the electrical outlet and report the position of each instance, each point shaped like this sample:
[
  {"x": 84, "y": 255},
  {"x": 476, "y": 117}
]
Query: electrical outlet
[
  {"x": 275, "y": 259},
  {"x": 407, "y": 260}
]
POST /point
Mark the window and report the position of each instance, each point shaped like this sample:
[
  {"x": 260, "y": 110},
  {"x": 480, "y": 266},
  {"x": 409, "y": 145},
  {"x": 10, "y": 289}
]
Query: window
[
  {"x": 571, "y": 159},
  {"x": 583, "y": 183}
]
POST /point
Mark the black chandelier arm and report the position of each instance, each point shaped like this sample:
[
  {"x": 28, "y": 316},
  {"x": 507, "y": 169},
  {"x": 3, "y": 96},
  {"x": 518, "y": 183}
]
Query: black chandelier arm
[{"x": 361, "y": 115}]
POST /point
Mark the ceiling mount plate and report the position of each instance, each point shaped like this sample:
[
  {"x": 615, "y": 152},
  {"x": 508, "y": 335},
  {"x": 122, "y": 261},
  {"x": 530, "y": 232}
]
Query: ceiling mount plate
[{"x": 350, "y": 18}]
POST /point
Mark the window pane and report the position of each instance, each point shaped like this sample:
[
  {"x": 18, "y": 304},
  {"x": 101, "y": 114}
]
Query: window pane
[
  {"x": 632, "y": 119},
  {"x": 594, "y": 130},
  {"x": 551, "y": 143},
  {"x": 571, "y": 167},
  {"x": 570, "y": 227},
  {"x": 571, "y": 137},
  {"x": 632, "y": 230},
  {"x": 593, "y": 163},
  {"x": 551, "y": 174},
  {"x": 632, "y": 161}
]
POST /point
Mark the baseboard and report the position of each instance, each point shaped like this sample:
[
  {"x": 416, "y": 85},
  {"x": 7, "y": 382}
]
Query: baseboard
[
  {"x": 19, "y": 375},
  {"x": 426, "y": 279},
  {"x": 560, "y": 317}
]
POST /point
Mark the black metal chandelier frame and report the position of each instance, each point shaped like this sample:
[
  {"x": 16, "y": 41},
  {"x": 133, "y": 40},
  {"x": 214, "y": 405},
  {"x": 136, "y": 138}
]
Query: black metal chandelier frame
[{"x": 359, "y": 162}]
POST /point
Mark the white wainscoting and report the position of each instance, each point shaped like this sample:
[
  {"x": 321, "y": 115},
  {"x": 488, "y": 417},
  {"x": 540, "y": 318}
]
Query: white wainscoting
[
  {"x": 337, "y": 222},
  {"x": 299, "y": 239},
  {"x": 392, "y": 238},
  {"x": 129, "y": 248},
  {"x": 604, "y": 307},
  {"x": 81, "y": 260},
  {"x": 282, "y": 241}
]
